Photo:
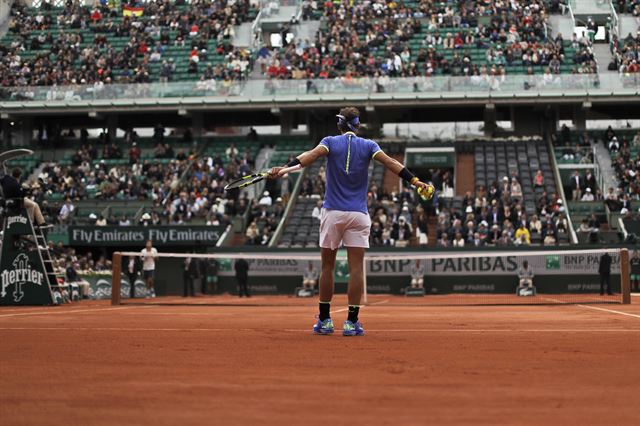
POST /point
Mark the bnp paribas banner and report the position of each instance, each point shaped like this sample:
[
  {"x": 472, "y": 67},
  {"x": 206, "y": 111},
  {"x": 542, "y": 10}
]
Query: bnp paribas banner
[
  {"x": 137, "y": 235},
  {"x": 543, "y": 264}
]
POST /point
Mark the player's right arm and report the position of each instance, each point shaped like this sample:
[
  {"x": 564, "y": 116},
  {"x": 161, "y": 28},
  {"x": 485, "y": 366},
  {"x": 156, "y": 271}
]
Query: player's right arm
[
  {"x": 305, "y": 159},
  {"x": 398, "y": 168}
]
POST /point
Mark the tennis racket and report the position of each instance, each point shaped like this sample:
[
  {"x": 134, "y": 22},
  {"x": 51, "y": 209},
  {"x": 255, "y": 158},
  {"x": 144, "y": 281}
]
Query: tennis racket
[
  {"x": 254, "y": 178},
  {"x": 247, "y": 180}
]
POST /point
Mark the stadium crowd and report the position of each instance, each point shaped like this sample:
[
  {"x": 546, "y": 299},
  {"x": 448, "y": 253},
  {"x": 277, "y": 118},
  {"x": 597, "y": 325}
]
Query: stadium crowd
[
  {"x": 626, "y": 54},
  {"x": 369, "y": 40},
  {"x": 397, "y": 219},
  {"x": 65, "y": 57},
  {"x": 490, "y": 217},
  {"x": 496, "y": 216},
  {"x": 180, "y": 185},
  {"x": 627, "y": 168},
  {"x": 624, "y": 149},
  {"x": 265, "y": 215},
  {"x": 628, "y": 6}
]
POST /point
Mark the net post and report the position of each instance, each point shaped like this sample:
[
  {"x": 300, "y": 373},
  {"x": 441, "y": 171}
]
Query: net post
[
  {"x": 625, "y": 284},
  {"x": 364, "y": 278},
  {"x": 116, "y": 268}
]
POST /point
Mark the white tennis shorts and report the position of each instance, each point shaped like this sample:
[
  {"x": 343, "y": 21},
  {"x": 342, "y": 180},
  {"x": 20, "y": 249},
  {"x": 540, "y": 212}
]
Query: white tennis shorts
[{"x": 350, "y": 229}]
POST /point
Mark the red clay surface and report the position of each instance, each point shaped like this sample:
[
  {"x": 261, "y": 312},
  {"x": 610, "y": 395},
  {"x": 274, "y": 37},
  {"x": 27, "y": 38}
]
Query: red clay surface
[{"x": 238, "y": 362}]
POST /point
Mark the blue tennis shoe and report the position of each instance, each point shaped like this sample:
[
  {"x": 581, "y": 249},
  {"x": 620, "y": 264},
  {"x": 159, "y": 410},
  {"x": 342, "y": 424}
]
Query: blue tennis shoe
[
  {"x": 352, "y": 329},
  {"x": 323, "y": 327}
]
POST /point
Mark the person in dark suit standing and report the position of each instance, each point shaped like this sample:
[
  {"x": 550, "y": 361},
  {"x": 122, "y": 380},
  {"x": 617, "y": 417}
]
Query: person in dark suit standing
[
  {"x": 605, "y": 273},
  {"x": 132, "y": 268},
  {"x": 576, "y": 184},
  {"x": 590, "y": 181},
  {"x": 189, "y": 275},
  {"x": 242, "y": 275},
  {"x": 203, "y": 274}
]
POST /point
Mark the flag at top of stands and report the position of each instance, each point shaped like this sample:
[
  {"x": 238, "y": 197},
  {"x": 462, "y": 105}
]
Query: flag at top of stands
[{"x": 132, "y": 11}]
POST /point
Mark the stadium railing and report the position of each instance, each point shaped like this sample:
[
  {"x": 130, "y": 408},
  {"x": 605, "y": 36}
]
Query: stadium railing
[{"x": 257, "y": 91}]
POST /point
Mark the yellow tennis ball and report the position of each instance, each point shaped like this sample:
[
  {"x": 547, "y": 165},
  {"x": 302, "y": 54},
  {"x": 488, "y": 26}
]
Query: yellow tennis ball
[{"x": 426, "y": 193}]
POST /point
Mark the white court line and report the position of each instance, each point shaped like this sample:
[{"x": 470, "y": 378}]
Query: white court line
[
  {"x": 551, "y": 299},
  {"x": 46, "y": 312},
  {"x": 612, "y": 311},
  {"x": 370, "y": 304},
  {"x": 124, "y": 329},
  {"x": 291, "y": 330},
  {"x": 26, "y": 309},
  {"x": 557, "y": 330},
  {"x": 195, "y": 302}
]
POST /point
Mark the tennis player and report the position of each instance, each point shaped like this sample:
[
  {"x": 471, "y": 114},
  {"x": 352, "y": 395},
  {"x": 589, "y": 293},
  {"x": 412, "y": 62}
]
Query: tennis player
[{"x": 345, "y": 218}]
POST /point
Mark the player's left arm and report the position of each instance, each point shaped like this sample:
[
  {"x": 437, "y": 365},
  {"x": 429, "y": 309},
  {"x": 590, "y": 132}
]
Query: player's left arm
[
  {"x": 398, "y": 168},
  {"x": 305, "y": 159}
]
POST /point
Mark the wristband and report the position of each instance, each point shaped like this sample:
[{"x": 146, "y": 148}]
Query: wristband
[
  {"x": 407, "y": 175},
  {"x": 293, "y": 162}
]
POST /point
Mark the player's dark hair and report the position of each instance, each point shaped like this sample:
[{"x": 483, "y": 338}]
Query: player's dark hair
[
  {"x": 349, "y": 113},
  {"x": 16, "y": 172}
]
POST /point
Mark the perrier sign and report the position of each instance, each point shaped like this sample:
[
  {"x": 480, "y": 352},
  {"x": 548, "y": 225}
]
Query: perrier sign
[{"x": 22, "y": 275}]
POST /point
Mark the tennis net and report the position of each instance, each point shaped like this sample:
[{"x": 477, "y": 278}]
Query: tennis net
[{"x": 439, "y": 278}]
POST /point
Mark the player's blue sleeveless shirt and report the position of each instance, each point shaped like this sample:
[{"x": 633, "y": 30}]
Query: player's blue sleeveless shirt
[{"x": 348, "y": 171}]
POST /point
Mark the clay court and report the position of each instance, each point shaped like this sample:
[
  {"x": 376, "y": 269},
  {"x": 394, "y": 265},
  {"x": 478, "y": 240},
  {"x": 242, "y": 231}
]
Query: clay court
[{"x": 224, "y": 360}]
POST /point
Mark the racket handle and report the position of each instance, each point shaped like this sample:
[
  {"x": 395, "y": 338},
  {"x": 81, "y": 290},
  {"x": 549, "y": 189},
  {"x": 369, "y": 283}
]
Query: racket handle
[{"x": 288, "y": 170}]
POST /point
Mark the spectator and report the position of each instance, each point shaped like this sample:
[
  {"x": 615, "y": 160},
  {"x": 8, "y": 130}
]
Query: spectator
[
  {"x": 252, "y": 234},
  {"x": 538, "y": 180},
  {"x": 231, "y": 151},
  {"x": 588, "y": 195},
  {"x": 422, "y": 231},
  {"x": 401, "y": 232},
  {"x": 317, "y": 210},
  {"x": 266, "y": 199},
  {"x": 66, "y": 211},
  {"x": 134, "y": 154},
  {"x": 516, "y": 190},
  {"x": 522, "y": 235},
  {"x": 549, "y": 235},
  {"x": 584, "y": 227},
  {"x": 458, "y": 241}
]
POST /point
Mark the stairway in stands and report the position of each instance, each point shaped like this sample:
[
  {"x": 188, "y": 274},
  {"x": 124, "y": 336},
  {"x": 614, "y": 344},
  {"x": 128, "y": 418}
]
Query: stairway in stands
[
  {"x": 494, "y": 160},
  {"x": 391, "y": 182},
  {"x": 464, "y": 173}
]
